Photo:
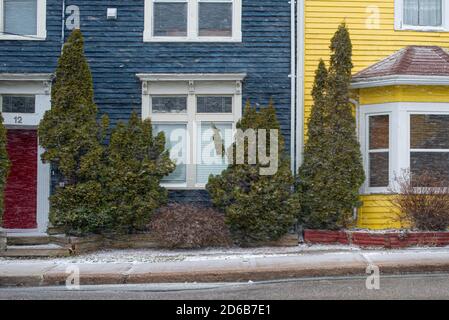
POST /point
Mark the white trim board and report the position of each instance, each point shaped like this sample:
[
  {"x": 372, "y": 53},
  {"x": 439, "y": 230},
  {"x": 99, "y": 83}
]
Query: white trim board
[{"x": 398, "y": 80}]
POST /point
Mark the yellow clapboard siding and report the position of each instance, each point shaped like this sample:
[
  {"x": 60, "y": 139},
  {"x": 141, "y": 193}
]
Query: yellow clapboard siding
[
  {"x": 404, "y": 94},
  {"x": 378, "y": 213},
  {"x": 370, "y": 45}
]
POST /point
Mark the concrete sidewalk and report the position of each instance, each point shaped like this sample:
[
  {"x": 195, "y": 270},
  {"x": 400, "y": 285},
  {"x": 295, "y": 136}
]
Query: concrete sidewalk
[{"x": 216, "y": 269}]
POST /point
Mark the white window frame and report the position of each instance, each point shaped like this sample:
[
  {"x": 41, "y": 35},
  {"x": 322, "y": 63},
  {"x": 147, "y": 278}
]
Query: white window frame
[
  {"x": 400, "y": 113},
  {"x": 192, "y": 24},
  {"x": 191, "y": 86},
  {"x": 41, "y": 29},
  {"x": 399, "y": 19},
  {"x": 369, "y": 151}
]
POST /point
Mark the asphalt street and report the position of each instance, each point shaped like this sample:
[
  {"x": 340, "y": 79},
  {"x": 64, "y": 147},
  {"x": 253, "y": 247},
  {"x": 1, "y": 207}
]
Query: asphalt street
[{"x": 416, "y": 286}]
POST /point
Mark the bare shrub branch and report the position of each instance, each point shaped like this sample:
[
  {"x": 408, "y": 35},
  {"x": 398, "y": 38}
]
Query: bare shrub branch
[{"x": 423, "y": 200}]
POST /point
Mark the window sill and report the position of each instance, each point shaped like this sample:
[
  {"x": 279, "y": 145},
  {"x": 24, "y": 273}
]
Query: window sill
[
  {"x": 182, "y": 39},
  {"x": 422, "y": 29},
  {"x": 22, "y": 38}
]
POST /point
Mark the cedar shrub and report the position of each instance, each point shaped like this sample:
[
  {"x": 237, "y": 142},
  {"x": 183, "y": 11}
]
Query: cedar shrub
[
  {"x": 136, "y": 162},
  {"x": 332, "y": 172},
  {"x": 72, "y": 140},
  {"x": 257, "y": 207}
]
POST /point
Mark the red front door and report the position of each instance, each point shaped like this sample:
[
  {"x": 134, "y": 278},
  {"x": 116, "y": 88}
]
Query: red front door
[{"x": 21, "y": 186}]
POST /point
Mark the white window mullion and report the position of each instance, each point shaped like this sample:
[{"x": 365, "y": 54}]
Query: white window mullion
[
  {"x": 2, "y": 8},
  {"x": 192, "y": 149},
  {"x": 193, "y": 19}
]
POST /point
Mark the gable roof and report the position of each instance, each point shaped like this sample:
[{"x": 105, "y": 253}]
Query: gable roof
[{"x": 411, "y": 65}]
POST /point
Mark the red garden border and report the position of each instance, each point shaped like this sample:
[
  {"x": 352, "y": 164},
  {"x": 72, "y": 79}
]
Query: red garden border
[{"x": 385, "y": 239}]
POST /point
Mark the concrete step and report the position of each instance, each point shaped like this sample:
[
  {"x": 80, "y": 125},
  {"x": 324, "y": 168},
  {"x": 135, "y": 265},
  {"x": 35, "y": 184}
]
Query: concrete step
[
  {"x": 47, "y": 250},
  {"x": 27, "y": 240}
]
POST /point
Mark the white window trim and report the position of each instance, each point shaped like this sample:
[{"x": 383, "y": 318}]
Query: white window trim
[
  {"x": 192, "y": 86},
  {"x": 399, "y": 18},
  {"x": 41, "y": 31},
  {"x": 399, "y": 134},
  {"x": 192, "y": 24}
]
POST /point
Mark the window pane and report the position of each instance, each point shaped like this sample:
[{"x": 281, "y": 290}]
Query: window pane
[
  {"x": 379, "y": 132},
  {"x": 429, "y": 131},
  {"x": 17, "y": 104},
  {"x": 379, "y": 169},
  {"x": 176, "y": 142},
  {"x": 169, "y": 104},
  {"x": 211, "y": 162},
  {"x": 170, "y": 19},
  {"x": 214, "y": 104},
  {"x": 433, "y": 163},
  {"x": 430, "y": 12},
  {"x": 423, "y": 12},
  {"x": 20, "y": 17},
  {"x": 215, "y": 19}
]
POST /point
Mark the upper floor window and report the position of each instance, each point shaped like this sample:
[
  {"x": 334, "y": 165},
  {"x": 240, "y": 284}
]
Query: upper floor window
[
  {"x": 192, "y": 20},
  {"x": 424, "y": 15},
  {"x": 22, "y": 19}
]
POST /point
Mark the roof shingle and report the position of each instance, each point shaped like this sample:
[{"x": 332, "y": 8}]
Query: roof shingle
[{"x": 409, "y": 61}]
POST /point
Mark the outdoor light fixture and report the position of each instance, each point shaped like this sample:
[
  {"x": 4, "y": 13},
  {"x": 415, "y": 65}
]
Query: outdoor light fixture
[{"x": 112, "y": 13}]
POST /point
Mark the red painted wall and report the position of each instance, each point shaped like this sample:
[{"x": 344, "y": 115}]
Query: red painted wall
[{"x": 21, "y": 187}]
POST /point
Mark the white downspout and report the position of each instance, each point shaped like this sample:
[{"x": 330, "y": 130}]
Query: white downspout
[
  {"x": 300, "y": 83},
  {"x": 293, "y": 86},
  {"x": 63, "y": 25}
]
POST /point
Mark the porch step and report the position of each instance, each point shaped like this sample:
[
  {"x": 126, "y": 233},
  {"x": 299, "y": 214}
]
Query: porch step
[
  {"x": 27, "y": 239},
  {"x": 47, "y": 250}
]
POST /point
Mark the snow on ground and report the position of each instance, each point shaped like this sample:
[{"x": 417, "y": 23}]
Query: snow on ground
[{"x": 160, "y": 255}]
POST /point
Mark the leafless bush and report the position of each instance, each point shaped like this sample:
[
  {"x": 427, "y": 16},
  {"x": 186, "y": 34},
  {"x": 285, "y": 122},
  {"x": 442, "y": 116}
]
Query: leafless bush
[
  {"x": 423, "y": 200},
  {"x": 190, "y": 226}
]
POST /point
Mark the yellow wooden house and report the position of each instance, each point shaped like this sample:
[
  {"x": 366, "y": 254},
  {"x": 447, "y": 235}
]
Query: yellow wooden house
[{"x": 401, "y": 85}]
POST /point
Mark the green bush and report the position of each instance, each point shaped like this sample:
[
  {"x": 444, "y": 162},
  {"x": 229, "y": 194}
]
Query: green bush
[
  {"x": 332, "y": 173},
  {"x": 136, "y": 161},
  {"x": 257, "y": 207},
  {"x": 4, "y": 166},
  {"x": 105, "y": 188}
]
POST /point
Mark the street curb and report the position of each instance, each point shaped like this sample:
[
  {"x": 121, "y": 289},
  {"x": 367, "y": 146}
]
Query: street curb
[{"x": 59, "y": 279}]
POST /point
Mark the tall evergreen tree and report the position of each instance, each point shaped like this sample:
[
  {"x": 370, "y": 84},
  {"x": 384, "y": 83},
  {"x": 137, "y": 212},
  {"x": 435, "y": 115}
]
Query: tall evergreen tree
[
  {"x": 332, "y": 172},
  {"x": 4, "y": 166},
  {"x": 71, "y": 136},
  {"x": 69, "y": 131}
]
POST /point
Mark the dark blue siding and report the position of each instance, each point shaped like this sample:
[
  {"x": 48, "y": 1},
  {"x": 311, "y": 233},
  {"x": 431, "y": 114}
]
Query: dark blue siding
[{"x": 116, "y": 52}]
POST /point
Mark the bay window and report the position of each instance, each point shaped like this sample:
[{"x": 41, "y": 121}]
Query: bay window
[
  {"x": 426, "y": 15},
  {"x": 192, "y": 20},
  {"x": 193, "y": 111},
  {"x": 22, "y": 19},
  {"x": 403, "y": 136}
]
